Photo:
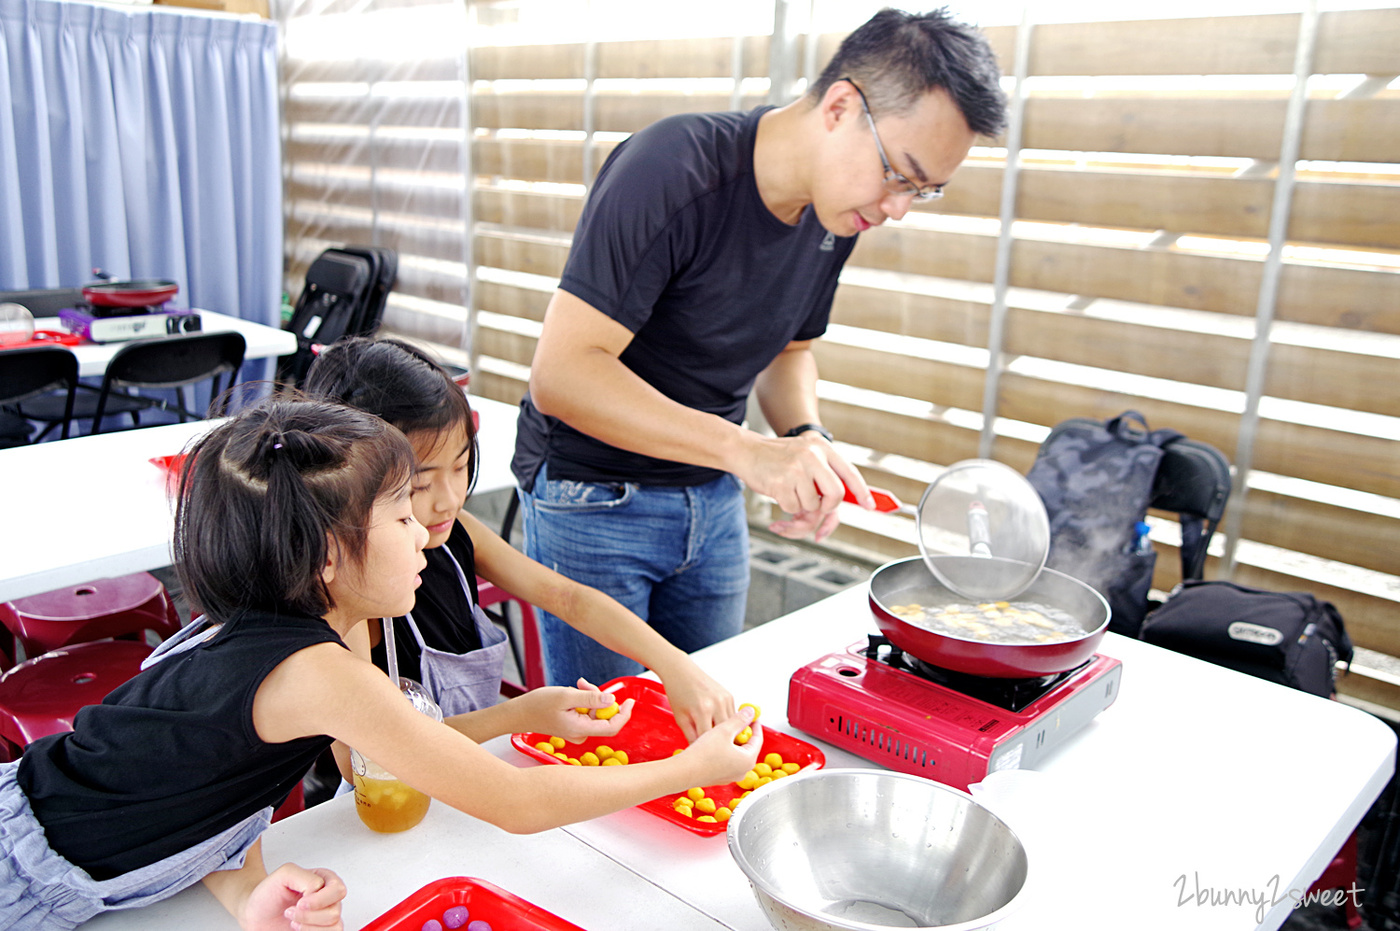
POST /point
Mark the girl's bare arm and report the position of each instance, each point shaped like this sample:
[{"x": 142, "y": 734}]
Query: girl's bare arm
[
  {"x": 699, "y": 702},
  {"x": 326, "y": 690}
]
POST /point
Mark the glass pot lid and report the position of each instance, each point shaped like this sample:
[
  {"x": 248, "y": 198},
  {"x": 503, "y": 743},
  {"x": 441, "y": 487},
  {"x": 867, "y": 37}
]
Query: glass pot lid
[{"x": 983, "y": 530}]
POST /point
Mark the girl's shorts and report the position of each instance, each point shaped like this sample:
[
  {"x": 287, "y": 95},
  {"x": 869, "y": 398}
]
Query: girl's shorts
[{"x": 41, "y": 890}]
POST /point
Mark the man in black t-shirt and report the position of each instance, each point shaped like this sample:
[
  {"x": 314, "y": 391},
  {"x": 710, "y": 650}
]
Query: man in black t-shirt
[{"x": 703, "y": 266}]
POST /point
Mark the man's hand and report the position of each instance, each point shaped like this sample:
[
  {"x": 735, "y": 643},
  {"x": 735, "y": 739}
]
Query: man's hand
[
  {"x": 807, "y": 478},
  {"x": 797, "y": 526}
]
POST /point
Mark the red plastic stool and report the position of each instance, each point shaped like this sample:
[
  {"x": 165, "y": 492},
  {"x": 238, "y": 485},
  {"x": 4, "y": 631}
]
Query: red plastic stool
[
  {"x": 1341, "y": 874},
  {"x": 120, "y": 607},
  {"x": 40, "y": 696},
  {"x": 489, "y": 594},
  {"x": 295, "y": 802}
]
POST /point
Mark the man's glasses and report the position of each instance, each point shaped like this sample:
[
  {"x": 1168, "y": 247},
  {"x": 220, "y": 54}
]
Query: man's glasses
[{"x": 895, "y": 183}]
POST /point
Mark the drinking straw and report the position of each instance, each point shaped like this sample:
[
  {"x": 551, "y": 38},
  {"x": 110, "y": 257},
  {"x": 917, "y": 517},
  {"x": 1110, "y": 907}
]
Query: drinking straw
[{"x": 391, "y": 654}]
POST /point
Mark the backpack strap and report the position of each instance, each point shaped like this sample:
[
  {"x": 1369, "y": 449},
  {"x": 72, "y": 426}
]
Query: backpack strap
[{"x": 1132, "y": 427}]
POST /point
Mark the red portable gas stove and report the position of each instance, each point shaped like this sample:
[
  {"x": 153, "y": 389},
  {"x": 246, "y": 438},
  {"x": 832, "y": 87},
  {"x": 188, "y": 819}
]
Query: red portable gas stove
[
  {"x": 880, "y": 703},
  {"x": 113, "y": 311},
  {"x": 956, "y": 701}
]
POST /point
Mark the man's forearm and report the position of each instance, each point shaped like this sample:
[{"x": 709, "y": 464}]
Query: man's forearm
[{"x": 787, "y": 390}]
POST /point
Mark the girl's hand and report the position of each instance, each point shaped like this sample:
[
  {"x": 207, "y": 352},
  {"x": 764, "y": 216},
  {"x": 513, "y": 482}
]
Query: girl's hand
[
  {"x": 295, "y": 898},
  {"x": 555, "y": 708},
  {"x": 719, "y": 758},
  {"x": 697, "y": 701}
]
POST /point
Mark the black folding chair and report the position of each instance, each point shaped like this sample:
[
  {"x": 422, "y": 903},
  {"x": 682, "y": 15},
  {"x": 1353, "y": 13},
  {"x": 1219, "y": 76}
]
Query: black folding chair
[
  {"x": 174, "y": 362},
  {"x": 34, "y": 372}
]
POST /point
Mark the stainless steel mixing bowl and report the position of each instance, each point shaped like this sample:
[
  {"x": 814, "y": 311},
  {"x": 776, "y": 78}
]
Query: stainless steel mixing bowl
[{"x": 867, "y": 849}]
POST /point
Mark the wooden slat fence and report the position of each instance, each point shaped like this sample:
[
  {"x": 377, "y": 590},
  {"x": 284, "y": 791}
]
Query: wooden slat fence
[{"x": 1147, "y": 178}]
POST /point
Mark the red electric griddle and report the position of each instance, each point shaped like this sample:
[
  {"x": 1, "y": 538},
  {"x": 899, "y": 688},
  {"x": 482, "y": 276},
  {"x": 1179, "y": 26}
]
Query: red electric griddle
[{"x": 949, "y": 708}]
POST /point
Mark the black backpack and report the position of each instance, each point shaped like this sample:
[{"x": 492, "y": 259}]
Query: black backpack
[
  {"x": 1290, "y": 638},
  {"x": 345, "y": 292},
  {"x": 1098, "y": 478}
]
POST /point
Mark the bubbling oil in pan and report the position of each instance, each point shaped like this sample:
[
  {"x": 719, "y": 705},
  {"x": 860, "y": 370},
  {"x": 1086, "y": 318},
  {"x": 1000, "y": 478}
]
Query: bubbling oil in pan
[{"x": 1014, "y": 622}]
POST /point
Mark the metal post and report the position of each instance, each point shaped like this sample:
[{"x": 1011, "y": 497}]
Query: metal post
[
  {"x": 590, "y": 74},
  {"x": 781, "y": 60},
  {"x": 1268, "y": 285},
  {"x": 466, "y": 164},
  {"x": 811, "y": 69},
  {"x": 736, "y": 69},
  {"x": 1001, "y": 279}
]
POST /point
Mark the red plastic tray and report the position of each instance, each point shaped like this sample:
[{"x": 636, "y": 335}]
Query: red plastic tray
[
  {"x": 46, "y": 338},
  {"x": 652, "y": 734},
  {"x": 503, "y": 910},
  {"x": 171, "y": 466}
]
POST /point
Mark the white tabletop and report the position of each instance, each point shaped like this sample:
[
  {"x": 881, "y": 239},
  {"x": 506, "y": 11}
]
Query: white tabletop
[
  {"x": 496, "y": 441},
  {"x": 86, "y": 508},
  {"x": 94, "y": 507},
  {"x": 551, "y": 870},
  {"x": 1197, "y": 779},
  {"x": 263, "y": 341}
]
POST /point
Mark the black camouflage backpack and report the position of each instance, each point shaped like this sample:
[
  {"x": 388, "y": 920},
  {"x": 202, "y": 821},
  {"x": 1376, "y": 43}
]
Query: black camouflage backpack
[{"x": 1098, "y": 478}]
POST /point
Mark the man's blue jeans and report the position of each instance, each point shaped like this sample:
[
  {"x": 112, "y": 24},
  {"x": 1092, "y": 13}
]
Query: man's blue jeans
[{"x": 677, "y": 557}]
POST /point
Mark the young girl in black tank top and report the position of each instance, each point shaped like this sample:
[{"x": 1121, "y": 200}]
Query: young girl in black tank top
[{"x": 294, "y": 525}]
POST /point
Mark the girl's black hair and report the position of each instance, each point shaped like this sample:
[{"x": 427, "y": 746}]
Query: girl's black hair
[
  {"x": 265, "y": 495},
  {"x": 395, "y": 381},
  {"x": 896, "y": 58}
]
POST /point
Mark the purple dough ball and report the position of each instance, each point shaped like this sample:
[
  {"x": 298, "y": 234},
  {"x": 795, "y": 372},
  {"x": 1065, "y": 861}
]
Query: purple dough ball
[
  {"x": 479, "y": 926},
  {"x": 432, "y": 924},
  {"x": 455, "y": 917}
]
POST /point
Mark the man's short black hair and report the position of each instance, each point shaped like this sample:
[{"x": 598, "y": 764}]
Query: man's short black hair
[{"x": 897, "y": 57}]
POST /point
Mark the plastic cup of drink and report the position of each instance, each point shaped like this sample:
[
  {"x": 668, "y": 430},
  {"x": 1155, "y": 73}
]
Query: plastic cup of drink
[{"x": 384, "y": 803}]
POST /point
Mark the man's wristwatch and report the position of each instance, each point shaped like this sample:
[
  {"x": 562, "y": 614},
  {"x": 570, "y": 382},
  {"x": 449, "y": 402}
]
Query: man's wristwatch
[{"x": 814, "y": 427}]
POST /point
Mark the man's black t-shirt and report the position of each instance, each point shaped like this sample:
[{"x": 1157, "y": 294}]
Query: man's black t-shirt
[{"x": 676, "y": 244}]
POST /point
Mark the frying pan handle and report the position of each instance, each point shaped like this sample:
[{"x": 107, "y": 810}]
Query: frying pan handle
[
  {"x": 884, "y": 500},
  {"x": 979, "y": 531}
]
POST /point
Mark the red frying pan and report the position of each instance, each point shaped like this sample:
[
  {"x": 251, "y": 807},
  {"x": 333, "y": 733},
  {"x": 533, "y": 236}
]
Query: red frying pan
[{"x": 142, "y": 292}]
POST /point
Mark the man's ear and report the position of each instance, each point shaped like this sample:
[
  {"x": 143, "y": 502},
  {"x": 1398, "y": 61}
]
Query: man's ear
[{"x": 838, "y": 104}]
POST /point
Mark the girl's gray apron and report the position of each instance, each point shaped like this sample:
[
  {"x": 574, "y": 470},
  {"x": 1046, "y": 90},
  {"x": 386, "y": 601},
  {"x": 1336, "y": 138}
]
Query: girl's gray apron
[{"x": 462, "y": 682}]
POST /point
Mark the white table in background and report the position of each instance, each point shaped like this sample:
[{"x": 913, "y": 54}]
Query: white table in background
[
  {"x": 86, "y": 508},
  {"x": 1197, "y": 779},
  {"x": 264, "y": 342},
  {"x": 496, "y": 441},
  {"x": 94, "y": 507}
]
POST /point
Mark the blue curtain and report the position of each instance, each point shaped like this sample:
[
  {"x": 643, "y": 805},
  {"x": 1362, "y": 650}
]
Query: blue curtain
[{"x": 144, "y": 142}]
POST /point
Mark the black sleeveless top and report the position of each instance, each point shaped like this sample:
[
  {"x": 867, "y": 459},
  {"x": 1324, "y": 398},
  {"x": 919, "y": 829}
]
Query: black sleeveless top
[
  {"x": 442, "y": 609},
  {"x": 171, "y": 757}
]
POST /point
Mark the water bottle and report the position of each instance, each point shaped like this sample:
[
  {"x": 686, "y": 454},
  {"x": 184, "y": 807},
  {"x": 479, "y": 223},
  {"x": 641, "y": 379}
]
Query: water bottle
[{"x": 1142, "y": 539}]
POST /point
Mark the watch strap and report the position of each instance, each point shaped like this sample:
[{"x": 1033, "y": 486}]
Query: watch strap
[{"x": 814, "y": 427}]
